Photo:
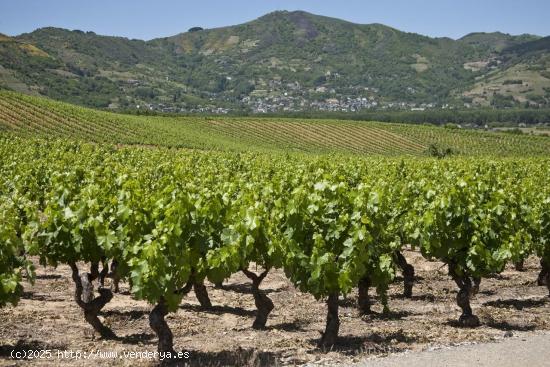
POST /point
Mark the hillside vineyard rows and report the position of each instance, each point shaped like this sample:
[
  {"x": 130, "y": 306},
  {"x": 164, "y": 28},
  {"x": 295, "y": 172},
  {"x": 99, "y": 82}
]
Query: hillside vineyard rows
[
  {"x": 34, "y": 116},
  {"x": 168, "y": 220}
]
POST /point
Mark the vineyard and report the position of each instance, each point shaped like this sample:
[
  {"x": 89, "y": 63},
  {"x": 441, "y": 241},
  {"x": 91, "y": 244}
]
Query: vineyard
[
  {"x": 167, "y": 222},
  {"x": 35, "y": 116}
]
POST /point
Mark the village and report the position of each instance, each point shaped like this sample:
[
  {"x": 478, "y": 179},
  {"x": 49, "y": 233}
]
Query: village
[{"x": 292, "y": 97}]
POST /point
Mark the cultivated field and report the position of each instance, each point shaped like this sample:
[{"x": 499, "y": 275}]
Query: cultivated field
[
  {"x": 263, "y": 242},
  {"x": 26, "y": 115},
  {"x": 509, "y": 305}
]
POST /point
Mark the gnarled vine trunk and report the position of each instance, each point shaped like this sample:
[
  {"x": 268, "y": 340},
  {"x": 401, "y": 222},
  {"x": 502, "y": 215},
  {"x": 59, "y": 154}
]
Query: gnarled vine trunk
[
  {"x": 542, "y": 279},
  {"x": 520, "y": 265},
  {"x": 408, "y": 274},
  {"x": 263, "y": 303},
  {"x": 363, "y": 302},
  {"x": 202, "y": 294},
  {"x": 475, "y": 288},
  {"x": 544, "y": 276},
  {"x": 115, "y": 275},
  {"x": 94, "y": 271},
  {"x": 104, "y": 272},
  {"x": 161, "y": 328},
  {"x": 333, "y": 322},
  {"x": 187, "y": 288},
  {"x": 109, "y": 272},
  {"x": 464, "y": 283},
  {"x": 91, "y": 306}
]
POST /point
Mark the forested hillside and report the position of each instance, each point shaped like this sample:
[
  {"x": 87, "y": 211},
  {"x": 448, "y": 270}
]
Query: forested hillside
[{"x": 281, "y": 62}]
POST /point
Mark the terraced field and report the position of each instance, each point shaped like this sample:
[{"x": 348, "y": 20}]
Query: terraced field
[{"x": 26, "y": 115}]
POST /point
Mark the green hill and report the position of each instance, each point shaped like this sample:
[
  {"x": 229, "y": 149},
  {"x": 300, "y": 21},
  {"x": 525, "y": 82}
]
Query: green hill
[
  {"x": 488, "y": 43},
  {"x": 519, "y": 75},
  {"x": 36, "y": 116},
  {"x": 283, "y": 61}
]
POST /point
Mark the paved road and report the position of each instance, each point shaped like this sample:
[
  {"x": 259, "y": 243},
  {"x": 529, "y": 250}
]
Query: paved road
[{"x": 528, "y": 351}]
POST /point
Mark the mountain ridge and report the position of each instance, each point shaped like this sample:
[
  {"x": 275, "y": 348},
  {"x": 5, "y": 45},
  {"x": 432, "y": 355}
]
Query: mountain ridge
[{"x": 276, "y": 12}]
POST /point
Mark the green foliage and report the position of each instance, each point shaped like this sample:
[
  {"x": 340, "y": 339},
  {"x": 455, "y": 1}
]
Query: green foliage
[
  {"x": 512, "y": 82},
  {"x": 475, "y": 220},
  {"x": 477, "y": 117},
  {"x": 171, "y": 218},
  {"x": 515, "y": 131},
  {"x": 435, "y": 151},
  {"x": 13, "y": 265},
  {"x": 502, "y": 101}
]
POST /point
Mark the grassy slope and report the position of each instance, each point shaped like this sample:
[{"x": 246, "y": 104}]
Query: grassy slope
[
  {"x": 527, "y": 63},
  {"x": 22, "y": 114}
]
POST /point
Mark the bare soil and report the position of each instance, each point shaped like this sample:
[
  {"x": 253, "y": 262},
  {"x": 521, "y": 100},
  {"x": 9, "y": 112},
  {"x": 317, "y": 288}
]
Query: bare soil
[{"x": 47, "y": 318}]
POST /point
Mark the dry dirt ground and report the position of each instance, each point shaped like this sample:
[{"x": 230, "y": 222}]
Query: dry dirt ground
[
  {"x": 526, "y": 350},
  {"x": 48, "y": 319}
]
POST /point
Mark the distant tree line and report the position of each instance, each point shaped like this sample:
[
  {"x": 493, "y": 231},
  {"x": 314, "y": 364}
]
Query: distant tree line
[
  {"x": 478, "y": 117},
  {"x": 481, "y": 117}
]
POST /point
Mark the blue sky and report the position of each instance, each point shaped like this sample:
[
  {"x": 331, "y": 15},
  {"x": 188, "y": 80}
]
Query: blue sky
[{"x": 150, "y": 19}]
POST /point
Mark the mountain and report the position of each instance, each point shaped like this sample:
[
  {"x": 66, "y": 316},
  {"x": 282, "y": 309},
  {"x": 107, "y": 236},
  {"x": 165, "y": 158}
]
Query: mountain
[
  {"x": 518, "y": 74},
  {"x": 282, "y": 61},
  {"x": 495, "y": 42}
]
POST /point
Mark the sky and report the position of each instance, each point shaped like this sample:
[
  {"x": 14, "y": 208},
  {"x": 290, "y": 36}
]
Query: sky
[{"x": 152, "y": 19}]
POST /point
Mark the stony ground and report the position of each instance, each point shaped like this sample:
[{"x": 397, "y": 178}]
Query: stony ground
[{"x": 509, "y": 305}]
